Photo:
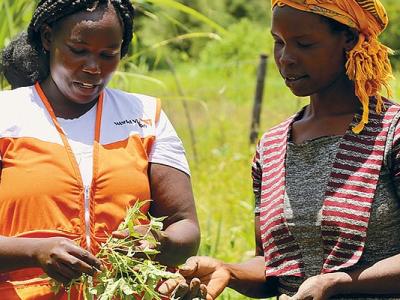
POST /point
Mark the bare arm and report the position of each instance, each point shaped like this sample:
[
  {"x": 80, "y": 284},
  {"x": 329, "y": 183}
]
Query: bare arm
[
  {"x": 248, "y": 278},
  {"x": 172, "y": 196},
  {"x": 381, "y": 278},
  {"x": 16, "y": 253},
  {"x": 59, "y": 257}
]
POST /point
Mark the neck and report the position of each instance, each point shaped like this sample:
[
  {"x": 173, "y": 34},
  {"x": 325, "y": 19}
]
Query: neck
[
  {"x": 62, "y": 106},
  {"x": 335, "y": 100}
]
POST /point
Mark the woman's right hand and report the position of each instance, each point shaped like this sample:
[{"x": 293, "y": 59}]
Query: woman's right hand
[
  {"x": 202, "y": 273},
  {"x": 63, "y": 260}
]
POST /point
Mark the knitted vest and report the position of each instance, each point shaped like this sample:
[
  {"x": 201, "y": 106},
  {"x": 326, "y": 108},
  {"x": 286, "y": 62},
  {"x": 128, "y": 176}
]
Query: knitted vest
[{"x": 348, "y": 196}]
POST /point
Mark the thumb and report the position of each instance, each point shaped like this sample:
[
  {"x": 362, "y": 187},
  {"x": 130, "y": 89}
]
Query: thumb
[
  {"x": 120, "y": 234},
  {"x": 190, "y": 267}
]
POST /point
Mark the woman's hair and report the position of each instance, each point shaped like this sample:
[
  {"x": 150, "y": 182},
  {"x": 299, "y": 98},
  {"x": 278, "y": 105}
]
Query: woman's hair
[{"x": 24, "y": 61}]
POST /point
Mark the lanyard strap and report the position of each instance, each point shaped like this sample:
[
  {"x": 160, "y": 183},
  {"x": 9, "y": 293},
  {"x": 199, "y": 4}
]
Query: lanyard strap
[{"x": 65, "y": 139}]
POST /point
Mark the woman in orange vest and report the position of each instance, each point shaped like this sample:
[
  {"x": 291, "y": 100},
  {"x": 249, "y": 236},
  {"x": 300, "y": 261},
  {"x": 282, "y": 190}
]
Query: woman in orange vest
[
  {"x": 74, "y": 155},
  {"x": 326, "y": 180}
]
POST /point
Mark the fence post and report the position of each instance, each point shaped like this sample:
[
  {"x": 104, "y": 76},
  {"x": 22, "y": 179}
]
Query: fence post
[{"x": 255, "y": 120}]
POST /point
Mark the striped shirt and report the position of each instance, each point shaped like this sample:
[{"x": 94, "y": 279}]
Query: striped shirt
[{"x": 347, "y": 200}]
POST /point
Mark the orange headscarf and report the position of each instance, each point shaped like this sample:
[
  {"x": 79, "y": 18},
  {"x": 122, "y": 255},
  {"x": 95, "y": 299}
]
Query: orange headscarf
[{"x": 368, "y": 64}]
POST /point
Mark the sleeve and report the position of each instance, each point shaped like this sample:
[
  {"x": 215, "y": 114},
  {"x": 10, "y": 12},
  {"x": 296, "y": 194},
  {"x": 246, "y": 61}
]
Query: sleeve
[
  {"x": 168, "y": 148},
  {"x": 256, "y": 174}
]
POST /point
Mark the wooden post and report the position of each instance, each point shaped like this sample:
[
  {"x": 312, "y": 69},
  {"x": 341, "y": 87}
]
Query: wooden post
[{"x": 255, "y": 120}]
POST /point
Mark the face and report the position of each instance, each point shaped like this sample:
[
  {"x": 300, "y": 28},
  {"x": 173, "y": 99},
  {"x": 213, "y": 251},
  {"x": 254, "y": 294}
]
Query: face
[
  {"x": 85, "y": 50},
  {"x": 309, "y": 55}
]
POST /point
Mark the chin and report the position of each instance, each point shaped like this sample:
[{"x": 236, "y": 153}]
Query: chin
[
  {"x": 301, "y": 93},
  {"x": 85, "y": 100},
  {"x": 85, "y": 96}
]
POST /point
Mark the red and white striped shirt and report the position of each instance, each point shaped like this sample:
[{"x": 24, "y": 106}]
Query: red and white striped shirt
[{"x": 348, "y": 197}]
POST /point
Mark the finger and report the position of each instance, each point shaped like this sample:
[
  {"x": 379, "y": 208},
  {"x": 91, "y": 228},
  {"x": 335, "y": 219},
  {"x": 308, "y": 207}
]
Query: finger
[
  {"x": 87, "y": 258},
  {"x": 194, "y": 288},
  {"x": 180, "y": 291},
  {"x": 284, "y": 297},
  {"x": 168, "y": 286},
  {"x": 61, "y": 272},
  {"x": 68, "y": 272},
  {"x": 58, "y": 276},
  {"x": 142, "y": 229},
  {"x": 203, "y": 291},
  {"x": 143, "y": 245},
  {"x": 76, "y": 264},
  {"x": 190, "y": 266},
  {"x": 120, "y": 234}
]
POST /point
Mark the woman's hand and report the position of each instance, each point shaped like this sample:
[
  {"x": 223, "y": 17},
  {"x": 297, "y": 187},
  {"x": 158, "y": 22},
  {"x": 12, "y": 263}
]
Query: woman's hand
[
  {"x": 205, "y": 277},
  {"x": 318, "y": 287},
  {"x": 154, "y": 240},
  {"x": 179, "y": 288},
  {"x": 63, "y": 260}
]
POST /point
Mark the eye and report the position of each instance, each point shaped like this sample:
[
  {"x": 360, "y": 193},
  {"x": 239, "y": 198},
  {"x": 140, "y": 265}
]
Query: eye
[
  {"x": 110, "y": 54},
  {"x": 305, "y": 45},
  {"x": 76, "y": 50},
  {"x": 278, "y": 42}
]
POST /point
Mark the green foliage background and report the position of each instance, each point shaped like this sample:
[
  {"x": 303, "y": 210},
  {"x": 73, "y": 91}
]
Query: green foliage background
[{"x": 201, "y": 59}]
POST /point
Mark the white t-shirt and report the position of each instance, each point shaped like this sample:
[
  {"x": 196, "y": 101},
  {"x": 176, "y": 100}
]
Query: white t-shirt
[{"x": 167, "y": 148}]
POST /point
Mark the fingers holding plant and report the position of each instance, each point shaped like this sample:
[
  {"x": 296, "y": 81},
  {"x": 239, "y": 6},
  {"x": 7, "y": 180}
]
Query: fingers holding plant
[
  {"x": 146, "y": 240},
  {"x": 130, "y": 269},
  {"x": 63, "y": 260}
]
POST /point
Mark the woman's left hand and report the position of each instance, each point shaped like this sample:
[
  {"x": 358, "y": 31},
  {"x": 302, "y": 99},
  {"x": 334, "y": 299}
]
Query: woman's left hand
[
  {"x": 153, "y": 243},
  {"x": 318, "y": 287}
]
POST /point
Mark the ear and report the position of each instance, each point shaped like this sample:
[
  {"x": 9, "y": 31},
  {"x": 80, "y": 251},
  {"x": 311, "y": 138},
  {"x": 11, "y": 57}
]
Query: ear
[
  {"x": 351, "y": 39},
  {"x": 46, "y": 36}
]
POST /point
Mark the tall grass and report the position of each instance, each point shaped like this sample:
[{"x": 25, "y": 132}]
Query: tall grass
[{"x": 14, "y": 15}]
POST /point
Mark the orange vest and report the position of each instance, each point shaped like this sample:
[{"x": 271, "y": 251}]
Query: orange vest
[{"x": 41, "y": 190}]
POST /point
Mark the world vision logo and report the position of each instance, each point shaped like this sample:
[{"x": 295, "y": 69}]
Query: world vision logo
[{"x": 142, "y": 123}]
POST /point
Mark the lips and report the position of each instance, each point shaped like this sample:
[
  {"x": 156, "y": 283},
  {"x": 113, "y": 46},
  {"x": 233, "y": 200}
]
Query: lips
[
  {"x": 86, "y": 85},
  {"x": 293, "y": 78}
]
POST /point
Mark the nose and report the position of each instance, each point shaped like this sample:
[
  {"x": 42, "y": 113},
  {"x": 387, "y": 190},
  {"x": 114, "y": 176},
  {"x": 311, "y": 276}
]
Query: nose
[
  {"x": 287, "y": 56},
  {"x": 91, "y": 66}
]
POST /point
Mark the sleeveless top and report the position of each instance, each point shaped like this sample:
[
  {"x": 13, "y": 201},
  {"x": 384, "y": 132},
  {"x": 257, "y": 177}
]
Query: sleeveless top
[{"x": 41, "y": 188}]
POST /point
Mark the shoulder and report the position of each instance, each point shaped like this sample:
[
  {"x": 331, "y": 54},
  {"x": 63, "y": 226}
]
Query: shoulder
[
  {"x": 392, "y": 115},
  {"x": 19, "y": 108},
  {"x": 129, "y": 105},
  {"x": 132, "y": 104},
  {"x": 17, "y": 95},
  {"x": 17, "y": 102},
  {"x": 125, "y": 98},
  {"x": 277, "y": 132}
]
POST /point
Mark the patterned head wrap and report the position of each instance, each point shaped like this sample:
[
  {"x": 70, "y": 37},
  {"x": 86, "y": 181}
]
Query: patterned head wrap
[{"x": 368, "y": 64}]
